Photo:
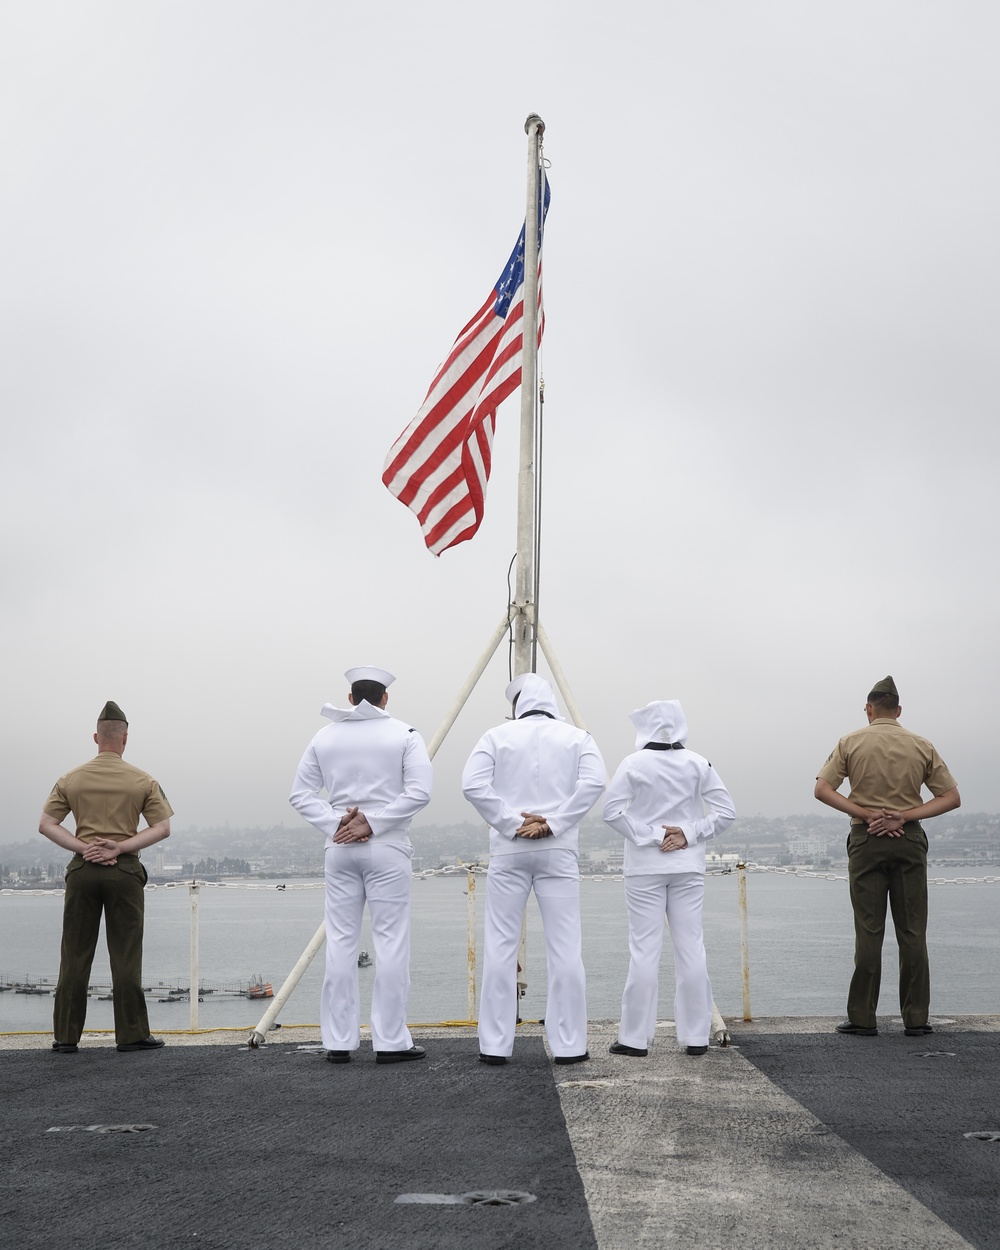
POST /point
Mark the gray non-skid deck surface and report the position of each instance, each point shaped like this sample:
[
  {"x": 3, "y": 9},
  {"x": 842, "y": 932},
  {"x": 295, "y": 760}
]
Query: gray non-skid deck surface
[
  {"x": 279, "y": 1148},
  {"x": 904, "y": 1112}
]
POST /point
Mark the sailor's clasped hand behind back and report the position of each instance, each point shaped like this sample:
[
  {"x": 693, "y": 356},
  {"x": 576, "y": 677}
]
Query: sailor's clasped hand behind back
[
  {"x": 675, "y": 839},
  {"x": 534, "y": 827}
]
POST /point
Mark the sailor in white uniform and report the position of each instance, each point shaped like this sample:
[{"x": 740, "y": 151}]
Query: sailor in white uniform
[
  {"x": 532, "y": 780},
  {"x": 377, "y": 776},
  {"x": 666, "y": 802}
]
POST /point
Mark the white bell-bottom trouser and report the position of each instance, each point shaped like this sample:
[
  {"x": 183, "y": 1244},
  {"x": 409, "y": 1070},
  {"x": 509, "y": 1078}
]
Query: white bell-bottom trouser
[
  {"x": 649, "y": 897},
  {"x": 381, "y": 875},
  {"x": 555, "y": 877}
]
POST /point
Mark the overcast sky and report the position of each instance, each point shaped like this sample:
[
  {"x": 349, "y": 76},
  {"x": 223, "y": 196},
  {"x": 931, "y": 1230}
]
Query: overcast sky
[{"x": 239, "y": 237}]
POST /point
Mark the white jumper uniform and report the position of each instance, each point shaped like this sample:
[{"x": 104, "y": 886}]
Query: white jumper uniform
[
  {"x": 369, "y": 760},
  {"x": 539, "y": 764},
  {"x": 652, "y": 788}
]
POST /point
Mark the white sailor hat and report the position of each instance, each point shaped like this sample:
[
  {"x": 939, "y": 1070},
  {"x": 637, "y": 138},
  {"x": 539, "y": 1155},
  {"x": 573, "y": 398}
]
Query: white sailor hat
[
  {"x": 368, "y": 672},
  {"x": 515, "y": 687}
]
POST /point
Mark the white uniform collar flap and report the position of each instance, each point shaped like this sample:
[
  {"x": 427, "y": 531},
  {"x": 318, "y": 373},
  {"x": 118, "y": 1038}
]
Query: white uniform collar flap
[
  {"x": 660, "y": 721},
  {"x": 364, "y": 711}
]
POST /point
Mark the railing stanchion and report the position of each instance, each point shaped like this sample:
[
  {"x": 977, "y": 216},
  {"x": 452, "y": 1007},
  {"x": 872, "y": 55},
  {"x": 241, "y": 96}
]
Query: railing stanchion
[
  {"x": 471, "y": 1013},
  {"x": 195, "y": 972},
  {"x": 744, "y": 939}
]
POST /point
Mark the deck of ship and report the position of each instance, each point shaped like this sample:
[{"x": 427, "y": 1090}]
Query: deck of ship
[{"x": 793, "y": 1137}]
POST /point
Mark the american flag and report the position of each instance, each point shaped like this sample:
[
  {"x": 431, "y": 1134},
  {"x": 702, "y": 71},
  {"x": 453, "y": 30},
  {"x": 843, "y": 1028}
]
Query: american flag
[{"x": 440, "y": 464}]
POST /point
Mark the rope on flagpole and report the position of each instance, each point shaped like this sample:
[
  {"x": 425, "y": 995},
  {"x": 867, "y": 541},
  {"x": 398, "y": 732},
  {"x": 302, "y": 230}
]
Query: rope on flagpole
[{"x": 510, "y": 620}]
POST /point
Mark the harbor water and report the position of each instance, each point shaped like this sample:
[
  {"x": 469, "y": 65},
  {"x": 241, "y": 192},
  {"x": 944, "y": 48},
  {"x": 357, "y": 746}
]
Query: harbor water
[{"x": 800, "y": 935}]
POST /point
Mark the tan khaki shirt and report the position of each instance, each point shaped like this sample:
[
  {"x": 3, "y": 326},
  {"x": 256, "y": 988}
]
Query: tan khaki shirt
[
  {"x": 886, "y": 766},
  {"x": 107, "y": 797}
]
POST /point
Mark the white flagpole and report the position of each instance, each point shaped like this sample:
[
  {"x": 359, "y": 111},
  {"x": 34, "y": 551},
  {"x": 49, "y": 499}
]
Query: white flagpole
[
  {"x": 524, "y": 583},
  {"x": 523, "y": 618}
]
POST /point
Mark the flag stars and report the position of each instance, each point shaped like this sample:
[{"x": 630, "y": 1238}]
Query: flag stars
[{"x": 511, "y": 278}]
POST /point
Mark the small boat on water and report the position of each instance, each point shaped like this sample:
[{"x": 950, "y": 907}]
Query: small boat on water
[
  {"x": 176, "y": 994},
  {"x": 365, "y": 960},
  {"x": 31, "y": 989},
  {"x": 259, "y": 989}
]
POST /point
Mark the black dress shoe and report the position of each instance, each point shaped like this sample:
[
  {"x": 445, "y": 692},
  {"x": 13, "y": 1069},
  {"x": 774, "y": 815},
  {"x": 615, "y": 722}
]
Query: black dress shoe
[
  {"x": 913, "y": 1030},
  {"x": 65, "y": 1048},
  {"x": 338, "y": 1056},
  {"x": 619, "y": 1048},
  {"x": 495, "y": 1061},
  {"x": 696, "y": 1050},
  {"x": 400, "y": 1056},
  {"x": 147, "y": 1043},
  {"x": 564, "y": 1059},
  {"x": 856, "y": 1029}
]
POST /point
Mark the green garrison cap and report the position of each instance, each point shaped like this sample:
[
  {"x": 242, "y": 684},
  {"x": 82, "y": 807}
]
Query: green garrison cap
[
  {"x": 111, "y": 711},
  {"x": 886, "y": 687}
]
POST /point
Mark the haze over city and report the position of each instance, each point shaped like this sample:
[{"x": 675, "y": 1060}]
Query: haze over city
[{"x": 239, "y": 238}]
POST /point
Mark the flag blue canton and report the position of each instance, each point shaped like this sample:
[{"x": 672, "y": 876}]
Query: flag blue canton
[
  {"x": 513, "y": 274},
  {"x": 510, "y": 279}
]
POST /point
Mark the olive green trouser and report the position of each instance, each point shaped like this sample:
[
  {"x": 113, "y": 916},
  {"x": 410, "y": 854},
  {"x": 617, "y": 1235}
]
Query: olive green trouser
[
  {"x": 894, "y": 871},
  {"x": 117, "y": 892}
]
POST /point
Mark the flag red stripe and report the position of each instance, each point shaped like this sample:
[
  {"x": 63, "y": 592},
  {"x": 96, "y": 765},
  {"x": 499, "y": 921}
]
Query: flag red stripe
[
  {"x": 440, "y": 465},
  {"x": 426, "y": 422}
]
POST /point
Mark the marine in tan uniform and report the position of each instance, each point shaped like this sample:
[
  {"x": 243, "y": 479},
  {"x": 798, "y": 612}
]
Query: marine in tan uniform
[
  {"x": 887, "y": 852},
  {"x": 107, "y": 798}
]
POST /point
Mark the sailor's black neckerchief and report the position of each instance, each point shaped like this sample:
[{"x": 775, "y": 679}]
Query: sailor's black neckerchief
[
  {"x": 661, "y": 746},
  {"x": 536, "y": 711}
]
